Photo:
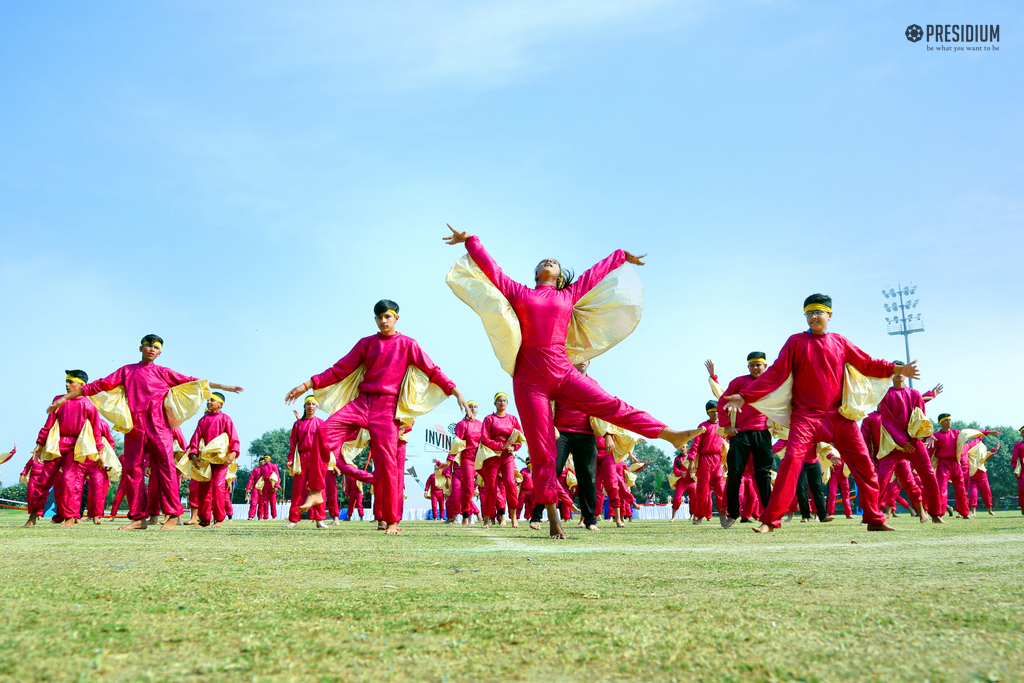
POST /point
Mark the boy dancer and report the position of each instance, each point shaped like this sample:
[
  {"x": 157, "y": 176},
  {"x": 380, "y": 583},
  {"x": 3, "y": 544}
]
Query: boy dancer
[
  {"x": 683, "y": 485},
  {"x": 1016, "y": 465},
  {"x": 464, "y": 448},
  {"x": 707, "y": 449},
  {"x": 386, "y": 358},
  {"x": 945, "y": 449},
  {"x": 978, "y": 481},
  {"x": 74, "y": 422},
  {"x": 901, "y": 410},
  {"x": 301, "y": 456},
  {"x": 748, "y": 436},
  {"x": 145, "y": 386},
  {"x": 214, "y": 446},
  {"x": 814, "y": 362}
]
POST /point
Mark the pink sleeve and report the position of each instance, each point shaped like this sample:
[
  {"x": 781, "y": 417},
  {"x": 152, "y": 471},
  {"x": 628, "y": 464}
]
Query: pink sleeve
[
  {"x": 343, "y": 368},
  {"x": 460, "y": 430},
  {"x": 695, "y": 446},
  {"x": 772, "y": 378},
  {"x": 253, "y": 476},
  {"x": 586, "y": 282},
  {"x": 234, "y": 446},
  {"x": 724, "y": 418},
  {"x": 893, "y": 423},
  {"x": 485, "y": 436},
  {"x": 174, "y": 378},
  {"x": 506, "y": 285},
  {"x": 28, "y": 467},
  {"x": 293, "y": 441},
  {"x": 421, "y": 360},
  {"x": 50, "y": 419},
  {"x": 515, "y": 421},
  {"x": 111, "y": 381},
  {"x": 193, "y": 445},
  {"x": 872, "y": 367}
]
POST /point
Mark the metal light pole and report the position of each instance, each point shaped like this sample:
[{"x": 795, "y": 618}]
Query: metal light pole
[{"x": 902, "y": 322}]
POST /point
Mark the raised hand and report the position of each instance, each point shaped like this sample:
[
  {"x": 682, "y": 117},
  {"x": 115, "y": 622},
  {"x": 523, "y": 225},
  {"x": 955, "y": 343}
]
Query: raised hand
[
  {"x": 710, "y": 367},
  {"x": 456, "y": 237},
  {"x": 635, "y": 260},
  {"x": 909, "y": 370}
]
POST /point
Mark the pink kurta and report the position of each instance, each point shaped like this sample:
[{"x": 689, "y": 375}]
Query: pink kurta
[
  {"x": 145, "y": 386},
  {"x": 706, "y": 449},
  {"x": 895, "y": 410},
  {"x": 543, "y": 372},
  {"x": 469, "y": 431},
  {"x": 303, "y": 439},
  {"x": 213, "y": 495},
  {"x": 72, "y": 417},
  {"x": 749, "y": 419},
  {"x": 817, "y": 364},
  {"x": 1018, "y": 459},
  {"x": 494, "y": 434},
  {"x": 386, "y": 359}
]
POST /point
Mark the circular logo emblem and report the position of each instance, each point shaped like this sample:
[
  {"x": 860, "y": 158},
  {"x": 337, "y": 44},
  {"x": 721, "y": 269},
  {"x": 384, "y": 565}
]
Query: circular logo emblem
[{"x": 914, "y": 33}]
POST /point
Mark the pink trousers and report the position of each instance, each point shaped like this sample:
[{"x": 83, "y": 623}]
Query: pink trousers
[
  {"x": 979, "y": 482},
  {"x": 709, "y": 480},
  {"x": 505, "y": 464},
  {"x": 918, "y": 459},
  {"x": 949, "y": 472}
]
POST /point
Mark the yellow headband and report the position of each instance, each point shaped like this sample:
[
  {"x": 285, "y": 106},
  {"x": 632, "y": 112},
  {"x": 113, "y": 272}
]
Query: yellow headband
[
  {"x": 950, "y": 418},
  {"x": 500, "y": 394},
  {"x": 390, "y": 310},
  {"x": 472, "y": 403},
  {"x": 154, "y": 343},
  {"x": 218, "y": 399},
  {"x": 758, "y": 360},
  {"x": 817, "y": 307},
  {"x": 69, "y": 378},
  {"x": 310, "y": 399},
  {"x": 711, "y": 410}
]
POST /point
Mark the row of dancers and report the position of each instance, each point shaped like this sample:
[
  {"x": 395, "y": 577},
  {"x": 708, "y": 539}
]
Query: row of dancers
[{"x": 820, "y": 386}]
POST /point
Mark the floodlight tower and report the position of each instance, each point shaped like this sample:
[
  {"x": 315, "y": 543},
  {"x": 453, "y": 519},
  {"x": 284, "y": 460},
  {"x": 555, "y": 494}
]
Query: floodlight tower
[{"x": 902, "y": 322}]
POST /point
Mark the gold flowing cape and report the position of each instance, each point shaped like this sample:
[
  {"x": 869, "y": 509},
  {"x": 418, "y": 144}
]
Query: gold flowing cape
[
  {"x": 861, "y": 395},
  {"x": 484, "y": 453},
  {"x": 4, "y": 457},
  {"x": 570, "y": 479},
  {"x": 458, "y": 445},
  {"x": 108, "y": 458},
  {"x": 184, "y": 400},
  {"x": 825, "y": 451},
  {"x": 51, "y": 449},
  {"x": 630, "y": 478},
  {"x": 232, "y": 472},
  {"x": 623, "y": 440},
  {"x": 778, "y": 431},
  {"x": 213, "y": 453},
  {"x": 417, "y": 396},
  {"x": 85, "y": 446},
  {"x": 259, "y": 484},
  {"x": 519, "y": 477},
  {"x": 919, "y": 426},
  {"x": 672, "y": 481},
  {"x": 977, "y": 457},
  {"x": 114, "y": 406},
  {"x": 296, "y": 466},
  {"x": 274, "y": 479},
  {"x": 470, "y": 284},
  {"x": 886, "y": 443},
  {"x": 602, "y": 318},
  {"x": 716, "y": 388}
]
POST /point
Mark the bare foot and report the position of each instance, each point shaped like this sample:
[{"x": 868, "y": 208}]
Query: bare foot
[
  {"x": 314, "y": 498},
  {"x": 170, "y": 523},
  {"x": 487, "y": 525},
  {"x": 937, "y": 519},
  {"x": 535, "y": 526},
  {"x": 134, "y": 524},
  {"x": 727, "y": 521},
  {"x": 849, "y": 516},
  {"x": 392, "y": 530},
  {"x": 697, "y": 520},
  {"x": 515, "y": 525},
  {"x": 290, "y": 525},
  {"x": 31, "y": 521},
  {"x": 336, "y": 522},
  {"x": 580, "y": 525},
  {"x": 154, "y": 519},
  {"x": 619, "y": 523},
  {"x": 192, "y": 521},
  {"x": 830, "y": 518},
  {"x": 321, "y": 524},
  {"x": 67, "y": 523},
  {"x": 381, "y": 526},
  {"x": 592, "y": 527},
  {"x": 218, "y": 525},
  {"x": 880, "y": 527},
  {"x": 763, "y": 529},
  {"x": 991, "y": 513},
  {"x": 502, "y": 523}
]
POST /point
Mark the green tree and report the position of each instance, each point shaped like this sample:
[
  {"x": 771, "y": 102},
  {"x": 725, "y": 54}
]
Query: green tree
[
  {"x": 659, "y": 466},
  {"x": 275, "y": 444}
]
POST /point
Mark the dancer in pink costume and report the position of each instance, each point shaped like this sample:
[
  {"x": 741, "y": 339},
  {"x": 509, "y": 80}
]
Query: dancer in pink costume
[
  {"x": 469, "y": 430},
  {"x": 145, "y": 386},
  {"x": 385, "y": 357},
  {"x": 949, "y": 470},
  {"x": 815, "y": 363},
  {"x": 73, "y": 415},
  {"x": 212, "y": 494},
  {"x": 302, "y": 446},
  {"x": 1017, "y": 467},
  {"x": 498, "y": 432},
  {"x": 543, "y": 371},
  {"x": 706, "y": 450}
]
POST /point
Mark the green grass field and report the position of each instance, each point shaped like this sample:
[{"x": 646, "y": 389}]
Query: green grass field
[{"x": 656, "y": 601}]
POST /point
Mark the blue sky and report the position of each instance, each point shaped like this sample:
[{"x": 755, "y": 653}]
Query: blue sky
[{"x": 247, "y": 179}]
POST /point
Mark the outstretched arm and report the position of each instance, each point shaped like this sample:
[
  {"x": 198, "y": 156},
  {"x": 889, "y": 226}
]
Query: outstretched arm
[{"x": 227, "y": 387}]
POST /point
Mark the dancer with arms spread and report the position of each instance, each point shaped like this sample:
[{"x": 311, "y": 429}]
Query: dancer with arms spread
[
  {"x": 543, "y": 371},
  {"x": 814, "y": 365}
]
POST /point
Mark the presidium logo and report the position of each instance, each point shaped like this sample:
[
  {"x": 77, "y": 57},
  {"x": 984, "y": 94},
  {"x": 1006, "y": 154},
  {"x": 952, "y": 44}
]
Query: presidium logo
[{"x": 970, "y": 34}]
